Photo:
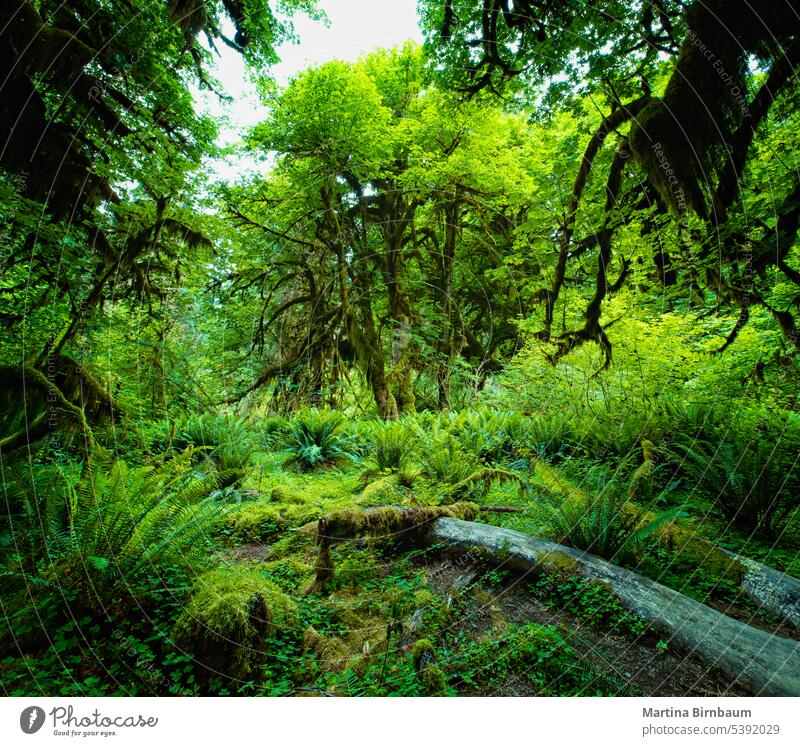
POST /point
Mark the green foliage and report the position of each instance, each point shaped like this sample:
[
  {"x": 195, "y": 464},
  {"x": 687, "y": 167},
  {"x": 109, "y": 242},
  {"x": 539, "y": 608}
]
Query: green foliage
[
  {"x": 118, "y": 527},
  {"x": 273, "y": 430},
  {"x": 316, "y": 438},
  {"x": 549, "y": 436},
  {"x": 752, "y": 482},
  {"x": 532, "y": 653},
  {"x": 442, "y": 457},
  {"x": 393, "y": 444},
  {"x": 490, "y": 435},
  {"x": 224, "y": 442},
  {"x": 608, "y": 525},
  {"x": 590, "y": 601},
  {"x": 514, "y": 267}
]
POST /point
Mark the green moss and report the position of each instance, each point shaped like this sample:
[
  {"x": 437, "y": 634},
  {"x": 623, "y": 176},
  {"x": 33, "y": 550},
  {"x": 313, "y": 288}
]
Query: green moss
[
  {"x": 230, "y": 618},
  {"x": 422, "y": 649},
  {"x": 424, "y": 597},
  {"x": 387, "y": 522},
  {"x": 331, "y": 652},
  {"x": 261, "y": 521},
  {"x": 381, "y": 522},
  {"x": 433, "y": 680},
  {"x": 558, "y": 562},
  {"x": 688, "y": 546},
  {"x": 281, "y": 494},
  {"x": 384, "y": 487}
]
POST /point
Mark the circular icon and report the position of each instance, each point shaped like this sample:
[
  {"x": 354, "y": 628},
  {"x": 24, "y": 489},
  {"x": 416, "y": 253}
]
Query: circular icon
[{"x": 31, "y": 719}]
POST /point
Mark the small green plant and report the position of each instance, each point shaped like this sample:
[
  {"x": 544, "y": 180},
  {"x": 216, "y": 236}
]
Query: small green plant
[
  {"x": 316, "y": 438},
  {"x": 531, "y": 653},
  {"x": 273, "y": 430},
  {"x": 608, "y": 525},
  {"x": 393, "y": 445},
  {"x": 590, "y": 601}
]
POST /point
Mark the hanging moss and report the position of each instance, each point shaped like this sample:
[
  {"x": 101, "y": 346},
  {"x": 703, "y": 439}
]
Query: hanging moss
[
  {"x": 682, "y": 140},
  {"x": 644, "y": 473}
]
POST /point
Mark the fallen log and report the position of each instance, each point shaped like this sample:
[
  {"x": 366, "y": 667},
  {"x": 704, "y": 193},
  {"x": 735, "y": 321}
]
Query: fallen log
[
  {"x": 388, "y": 522},
  {"x": 763, "y": 663},
  {"x": 771, "y": 589}
]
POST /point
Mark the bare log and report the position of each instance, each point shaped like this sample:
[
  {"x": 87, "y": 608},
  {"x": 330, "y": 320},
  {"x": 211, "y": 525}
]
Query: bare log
[
  {"x": 772, "y": 589},
  {"x": 763, "y": 663}
]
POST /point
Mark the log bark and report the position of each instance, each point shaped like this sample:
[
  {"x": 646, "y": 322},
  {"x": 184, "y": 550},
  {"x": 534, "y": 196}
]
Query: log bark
[
  {"x": 763, "y": 663},
  {"x": 771, "y": 589}
]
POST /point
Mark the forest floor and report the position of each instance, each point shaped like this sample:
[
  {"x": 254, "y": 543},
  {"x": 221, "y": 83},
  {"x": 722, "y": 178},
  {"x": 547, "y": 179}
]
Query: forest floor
[
  {"x": 461, "y": 604},
  {"x": 396, "y": 617}
]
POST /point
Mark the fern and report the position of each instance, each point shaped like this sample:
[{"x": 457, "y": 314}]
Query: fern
[
  {"x": 753, "y": 484},
  {"x": 222, "y": 442},
  {"x": 443, "y": 459},
  {"x": 549, "y": 436},
  {"x": 490, "y": 435},
  {"x": 609, "y": 525},
  {"x": 393, "y": 444},
  {"x": 116, "y": 524},
  {"x": 316, "y": 438}
]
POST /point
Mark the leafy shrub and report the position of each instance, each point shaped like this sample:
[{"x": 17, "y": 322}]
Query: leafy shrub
[
  {"x": 35, "y": 511},
  {"x": 591, "y": 601},
  {"x": 618, "y": 437},
  {"x": 273, "y": 430},
  {"x": 317, "y": 437},
  {"x": 695, "y": 420}
]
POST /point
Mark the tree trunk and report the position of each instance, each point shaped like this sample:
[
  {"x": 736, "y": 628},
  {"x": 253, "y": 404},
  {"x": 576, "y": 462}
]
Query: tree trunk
[{"x": 446, "y": 351}]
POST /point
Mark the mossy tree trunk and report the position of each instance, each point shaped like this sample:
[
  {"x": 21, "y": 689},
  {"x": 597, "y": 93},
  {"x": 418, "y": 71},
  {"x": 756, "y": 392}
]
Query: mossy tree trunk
[{"x": 447, "y": 338}]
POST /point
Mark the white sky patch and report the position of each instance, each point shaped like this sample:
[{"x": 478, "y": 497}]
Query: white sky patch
[{"x": 353, "y": 31}]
